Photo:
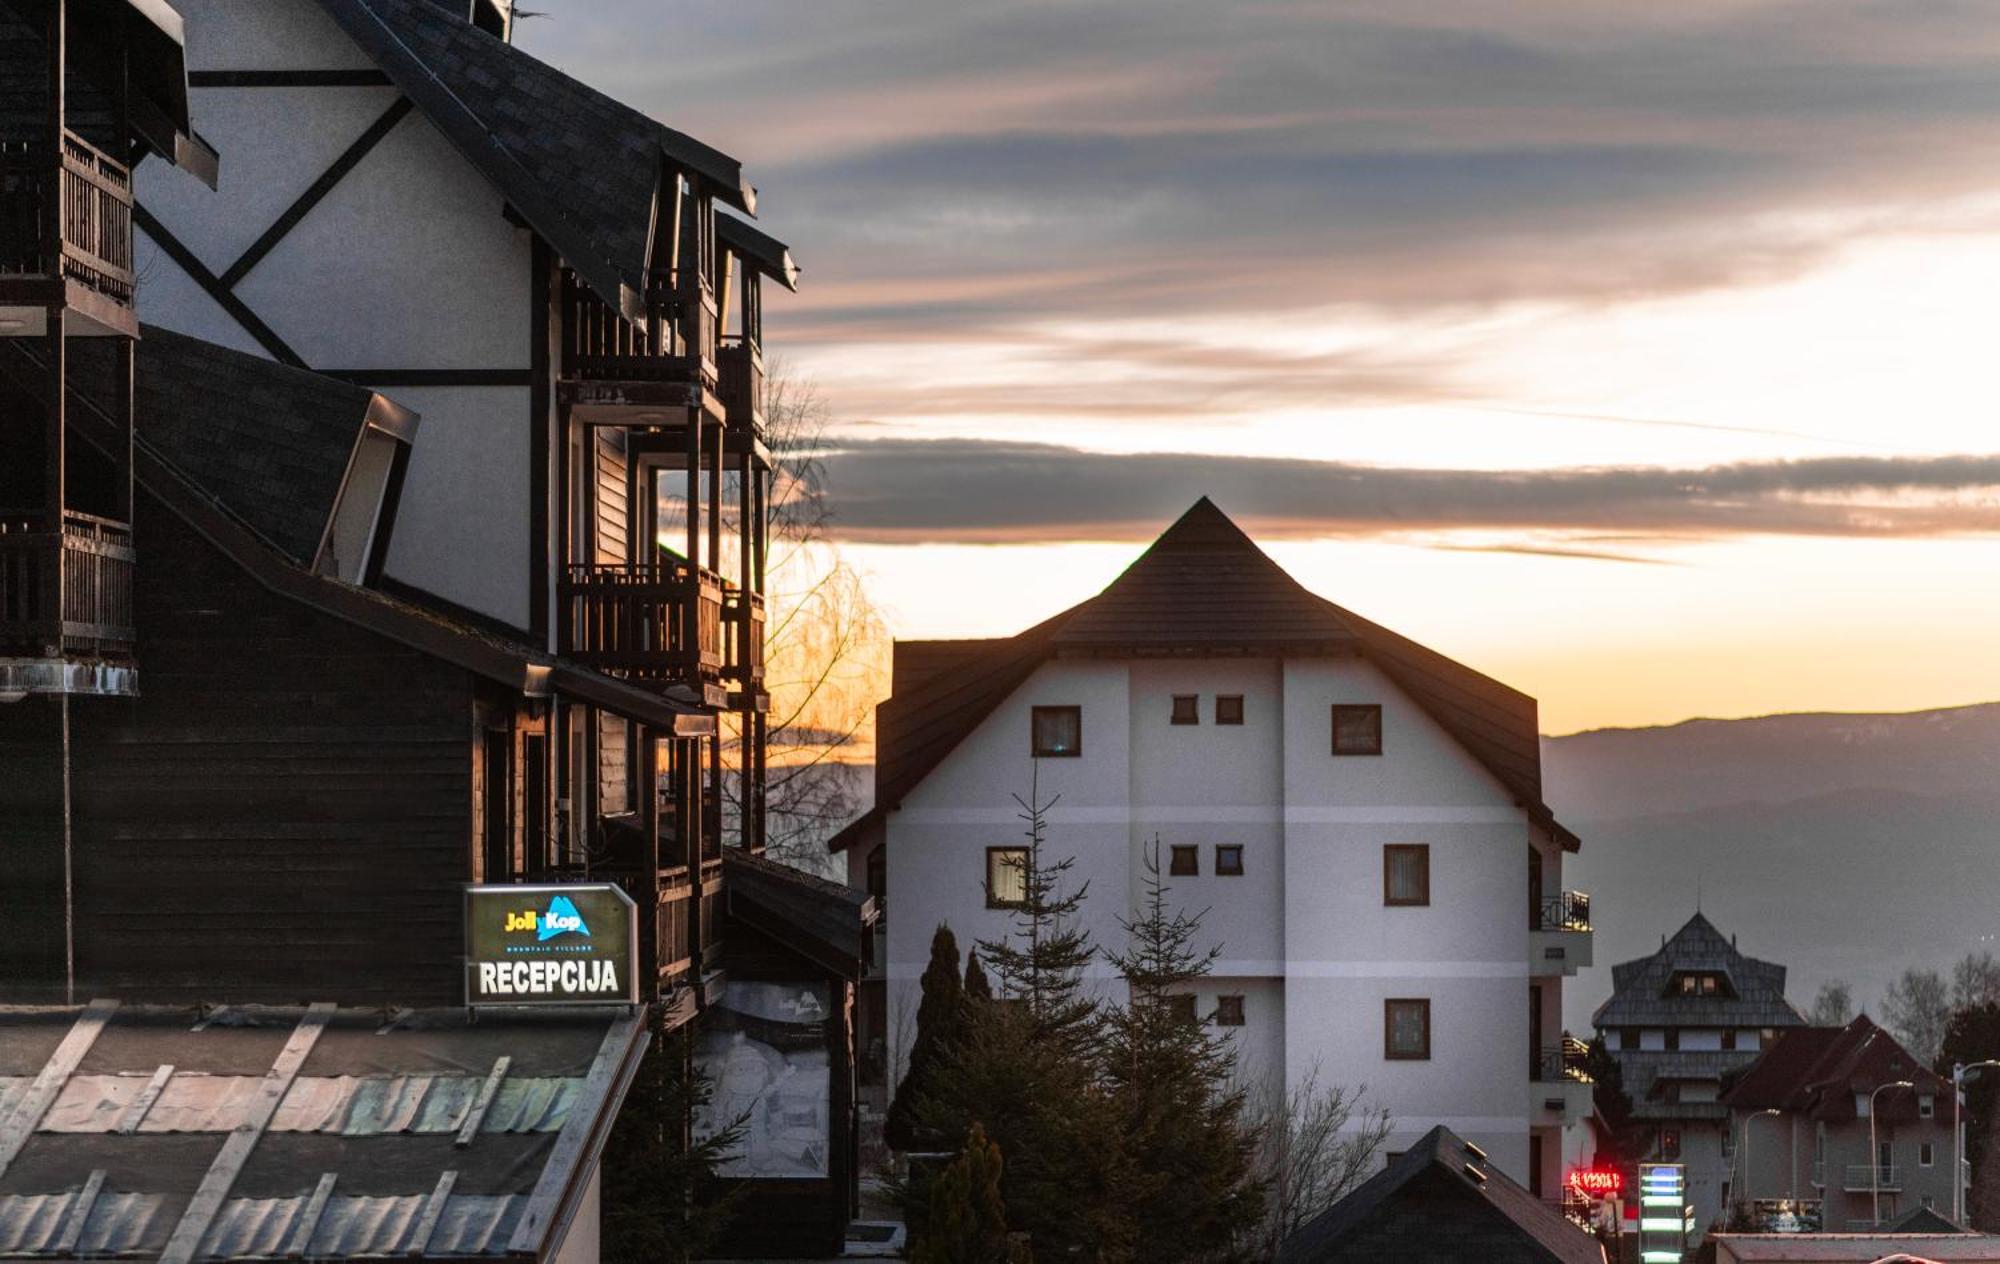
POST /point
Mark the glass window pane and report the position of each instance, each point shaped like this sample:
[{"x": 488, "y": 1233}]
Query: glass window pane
[
  {"x": 1184, "y": 862},
  {"x": 1229, "y": 708},
  {"x": 1058, "y": 730},
  {"x": 1187, "y": 708},
  {"x": 1408, "y": 873},
  {"x": 1006, "y": 876},
  {"x": 1229, "y": 860},
  {"x": 1357, "y": 729}
]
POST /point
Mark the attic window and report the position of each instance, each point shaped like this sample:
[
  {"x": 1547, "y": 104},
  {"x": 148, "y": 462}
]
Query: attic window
[
  {"x": 1187, "y": 708},
  {"x": 1699, "y": 983},
  {"x": 350, "y": 547},
  {"x": 1058, "y": 731},
  {"x": 1357, "y": 729}
]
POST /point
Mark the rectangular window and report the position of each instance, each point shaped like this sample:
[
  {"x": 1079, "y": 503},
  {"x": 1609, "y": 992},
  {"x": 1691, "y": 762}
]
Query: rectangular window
[
  {"x": 1229, "y": 708},
  {"x": 1187, "y": 708},
  {"x": 1925, "y": 1156},
  {"x": 1628, "y": 1037},
  {"x": 1058, "y": 732},
  {"x": 1181, "y": 1006},
  {"x": 1406, "y": 1029},
  {"x": 1673, "y": 1037},
  {"x": 1729, "y": 1037},
  {"x": 1357, "y": 729},
  {"x": 1926, "y": 1106},
  {"x": 1006, "y": 876},
  {"x": 1183, "y": 861},
  {"x": 1228, "y": 860},
  {"x": 1228, "y": 1011},
  {"x": 1406, "y": 874}
]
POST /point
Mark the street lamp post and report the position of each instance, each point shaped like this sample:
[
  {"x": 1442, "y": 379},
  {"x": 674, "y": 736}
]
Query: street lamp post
[
  {"x": 1744, "y": 1149},
  {"x": 1874, "y": 1156},
  {"x": 1959, "y": 1070}
]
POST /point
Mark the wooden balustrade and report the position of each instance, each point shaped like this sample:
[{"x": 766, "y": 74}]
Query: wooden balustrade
[
  {"x": 94, "y": 558},
  {"x": 658, "y": 622},
  {"x": 740, "y": 371},
  {"x": 95, "y": 210},
  {"x": 675, "y": 342},
  {"x": 743, "y": 611}
]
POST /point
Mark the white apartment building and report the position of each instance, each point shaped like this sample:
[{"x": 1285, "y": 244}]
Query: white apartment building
[{"x": 1360, "y": 817}]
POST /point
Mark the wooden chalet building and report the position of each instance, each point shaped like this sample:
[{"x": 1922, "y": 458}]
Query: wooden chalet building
[{"x": 337, "y": 584}]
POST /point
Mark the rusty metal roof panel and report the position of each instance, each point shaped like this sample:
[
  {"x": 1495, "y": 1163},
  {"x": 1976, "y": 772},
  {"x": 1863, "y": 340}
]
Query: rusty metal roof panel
[
  {"x": 262, "y": 1228},
  {"x": 119, "y": 1224}
]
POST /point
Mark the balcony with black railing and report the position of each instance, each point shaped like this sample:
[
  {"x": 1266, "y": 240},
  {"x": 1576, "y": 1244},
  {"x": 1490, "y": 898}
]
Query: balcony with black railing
[
  {"x": 1560, "y": 940},
  {"x": 68, "y": 592},
  {"x": 1559, "y": 1080},
  {"x": 66, "y": 232}
]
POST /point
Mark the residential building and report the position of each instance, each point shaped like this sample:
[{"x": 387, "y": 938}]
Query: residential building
[
  {"x": 1677, "y": 1022},
  {"x": 265, "y": 709},
  {"x": 1857, "y": 1248},
  {"x": 1442, "y": 1199},
  {"x": 1818, "y": 1119},
  {"x": 1358, "y": 818}
]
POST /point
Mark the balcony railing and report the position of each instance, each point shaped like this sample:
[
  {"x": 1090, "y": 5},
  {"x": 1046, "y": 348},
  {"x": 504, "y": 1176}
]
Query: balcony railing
[
  {"x": 1561, "y": 1063},
  {"x": 96, "y": 216},
  {"x": 740, "y": 366},
  {"x": 675, "y": 342},
  {"x": 743, "y": 611},
  {"x": 1861, "y": 1178},
  {"x": 658, "y": 622},
  {"x": 1566, "y": 910},
  {"x": 94, "y": 558}
]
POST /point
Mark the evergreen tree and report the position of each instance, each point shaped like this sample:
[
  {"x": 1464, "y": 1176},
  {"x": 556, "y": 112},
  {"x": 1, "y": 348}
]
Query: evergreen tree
[
  {"x": 977, "y": 989},
  {"x": 1040, "y": 962},
  {"x": 940, "y": 1023},
  {"x": 656, "y": 1207},
  {"x": 968, "y": 1220},
  {"x": 1193, "y": 1190}
]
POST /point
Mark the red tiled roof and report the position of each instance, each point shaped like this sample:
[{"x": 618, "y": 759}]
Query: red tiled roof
[
  {"x": 1818, "y": 1070},
  {"x": 1203, "y": 586}
]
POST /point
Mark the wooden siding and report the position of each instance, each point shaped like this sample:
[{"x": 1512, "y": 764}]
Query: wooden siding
[
  {"x": 284, "y": 814},
  {"x": 612, "y": 498},
  {"x": 31, "y": 850}
]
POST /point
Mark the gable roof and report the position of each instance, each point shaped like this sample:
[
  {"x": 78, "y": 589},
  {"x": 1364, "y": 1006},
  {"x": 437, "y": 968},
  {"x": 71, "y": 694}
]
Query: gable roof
[
  {"x": 581, "y": 168},
  {"x": 1639, "y": 987},
  {"x": 1203, "y": 586},
  {"x": 1437, "y": 1171},
  {"x": 1818, "y": 1070},
  {"x": 826, "y": 921}
]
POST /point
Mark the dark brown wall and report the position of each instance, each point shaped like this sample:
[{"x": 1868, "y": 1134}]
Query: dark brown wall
[
  {"x": 285, "y": 812},
  {"x": 31, "y": 850}
]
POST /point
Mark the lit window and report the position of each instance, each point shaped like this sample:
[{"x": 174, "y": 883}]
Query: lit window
[
  {"x": 1406, "y": 874},
  {"x": 1006, "y": 877},
  {"x": 1229, "y": 708},
  {"x": 1058, "y": 731},
  {"x": 1228, "y": 1011},
  {"x": 1183, "y": 861},
  {"x": 1187, "y": 708},
  {"x": 1407, "y": 1029},
  {"x": 1357, "y": 729},
  {"x": 1229, "y": 860}
]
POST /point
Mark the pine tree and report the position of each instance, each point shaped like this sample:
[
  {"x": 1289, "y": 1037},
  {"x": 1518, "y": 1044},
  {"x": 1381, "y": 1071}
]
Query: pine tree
[
  {"x": 1040, "y": 963},
  {"x": 977, "y": 989},
  {"x": 655, "y": 1178},
  {"x": 1192, "y": 1153},
  {"x": 968, "y": 1220},
  {"x": 940, "y": 1023}
]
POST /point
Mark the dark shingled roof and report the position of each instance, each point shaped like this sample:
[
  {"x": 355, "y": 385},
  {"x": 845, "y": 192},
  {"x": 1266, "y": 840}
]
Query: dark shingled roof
[
  {"x": 1203, "y": 586},
  {"x": 581, "y": 167},
  {"x": 1639, "y": 987},
  {"x": 1427, "y": 1206},
  {"x": 826, "y": 920},
  {"x": 1818, "y": 1070},
  {"x": 270, "y": 443}
]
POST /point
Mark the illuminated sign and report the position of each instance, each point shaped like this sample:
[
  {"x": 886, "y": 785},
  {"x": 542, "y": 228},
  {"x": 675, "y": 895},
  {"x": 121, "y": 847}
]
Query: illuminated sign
[
  {"x": 1665, "y": 1219},
  {"x": 574, "y": 944},
  {"x": 1597, "y": 1182}
]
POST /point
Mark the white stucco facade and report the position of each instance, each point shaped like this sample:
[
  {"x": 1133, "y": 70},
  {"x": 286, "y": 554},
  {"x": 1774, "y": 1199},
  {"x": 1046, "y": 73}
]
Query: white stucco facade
[
  {"x": 1306, "y": 936},
  {"x": 405, "y": 268}
]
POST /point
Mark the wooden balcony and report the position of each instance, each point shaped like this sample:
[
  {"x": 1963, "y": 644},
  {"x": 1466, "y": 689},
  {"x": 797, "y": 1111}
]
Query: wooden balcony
[
  {"x": 92, "y": 275},
  {"x": 91, "y": 560},
  {"x": 657, "y": 623},
  {"x": 740, "y": 366},
  {"x": 743, "y": 612},
  {"x": 656, "y": 371}
]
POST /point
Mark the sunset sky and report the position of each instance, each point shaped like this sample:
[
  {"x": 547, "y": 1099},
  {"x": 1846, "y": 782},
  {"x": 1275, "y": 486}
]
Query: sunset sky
[{"x": 1640, "y": 355}]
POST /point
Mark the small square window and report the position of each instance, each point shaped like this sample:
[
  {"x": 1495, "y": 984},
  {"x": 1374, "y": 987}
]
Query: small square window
[
  {"x": 1357, "y": 729},
  {"x": 1228, "y": 1011},
  {"x": 1729, "y": 1037},
  {"x": 1673, "y": 1037},
  {"x": 1229, "y": 708},
  {"x": 1183, "y": 861},
  {"x": 1006, "y": 877},
  {"x": 1628, "y": 1037},
  {"x": 1926, "y": 1106},
  {"x": 1058, "y": 732},
  {"x": 1406, "y": 874},
  {"x": 1181, "y": 1006},
  {"x": 1228, "y": 860},
  {"x": 1187, "y": 708},
  {"x": 1925, "y": 1155},
  {"x": 1406, "y": 1035}
]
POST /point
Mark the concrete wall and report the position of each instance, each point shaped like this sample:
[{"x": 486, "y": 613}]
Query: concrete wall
[
  {"x": 1304, "y": 933},
  {"x": 406, "y": 264}
]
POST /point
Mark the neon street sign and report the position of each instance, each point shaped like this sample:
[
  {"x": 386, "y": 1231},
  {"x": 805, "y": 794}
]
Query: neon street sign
[
  {"x": 567, "y": 944},
  {"x": 1597, "y": 1182}
]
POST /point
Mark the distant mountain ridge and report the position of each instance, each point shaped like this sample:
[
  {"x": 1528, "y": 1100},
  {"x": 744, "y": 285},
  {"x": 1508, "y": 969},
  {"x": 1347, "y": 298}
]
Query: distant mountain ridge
[{"x": 1841, "y": 845}]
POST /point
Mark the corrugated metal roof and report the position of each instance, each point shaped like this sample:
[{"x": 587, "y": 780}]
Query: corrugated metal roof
[
  {"x": 350, "y": 1105},
  {"x": 261, "y": 1228},
  {"x": 120, "y": 1224}
]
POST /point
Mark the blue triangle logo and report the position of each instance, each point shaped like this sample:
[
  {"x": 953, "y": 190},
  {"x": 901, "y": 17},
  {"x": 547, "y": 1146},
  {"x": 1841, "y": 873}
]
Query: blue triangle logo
[{"x": 561, "y": 919}]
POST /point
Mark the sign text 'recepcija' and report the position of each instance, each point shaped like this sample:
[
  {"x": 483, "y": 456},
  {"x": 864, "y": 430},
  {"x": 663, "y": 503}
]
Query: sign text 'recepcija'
[{"x": 570, "y": 944}]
